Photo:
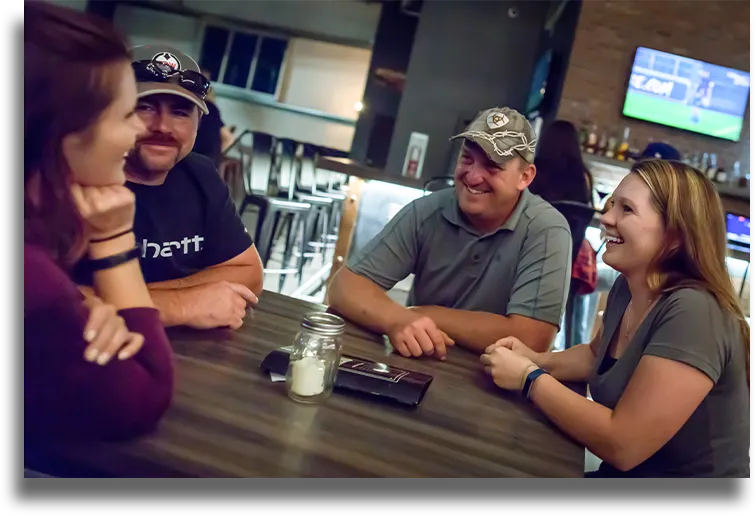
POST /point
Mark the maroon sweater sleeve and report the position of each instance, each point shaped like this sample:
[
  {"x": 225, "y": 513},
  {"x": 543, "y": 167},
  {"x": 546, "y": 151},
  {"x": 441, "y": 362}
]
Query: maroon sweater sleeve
[{"x": 66, "y": 396}]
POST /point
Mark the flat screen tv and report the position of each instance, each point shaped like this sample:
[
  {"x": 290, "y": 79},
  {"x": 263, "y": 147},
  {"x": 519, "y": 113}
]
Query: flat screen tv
[{"x": 687, "y": 94}]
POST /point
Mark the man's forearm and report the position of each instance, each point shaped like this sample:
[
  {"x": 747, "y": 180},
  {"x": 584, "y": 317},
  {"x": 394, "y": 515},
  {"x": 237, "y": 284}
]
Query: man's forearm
[
  {"x": 247, "y": 275},
  {"x": 362, "y": 301},
  {"x": 478, "y": 330},
  {"x": 171, "y": 304}
]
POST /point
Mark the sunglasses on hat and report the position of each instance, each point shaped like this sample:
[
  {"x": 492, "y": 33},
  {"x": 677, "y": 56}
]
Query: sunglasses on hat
[{"x": 154, "y": 71}]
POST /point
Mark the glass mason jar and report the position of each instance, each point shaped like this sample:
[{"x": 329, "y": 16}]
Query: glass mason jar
[{"x": 314, "y": 360}]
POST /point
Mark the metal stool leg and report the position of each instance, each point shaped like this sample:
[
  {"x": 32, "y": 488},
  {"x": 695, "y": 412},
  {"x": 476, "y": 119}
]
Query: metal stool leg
[
  {"x": 324, "y": 216},
  {"x": 303, "y": 246},
  {"x": 267, "y": 230},
  {"x": 288, "y": 244}
]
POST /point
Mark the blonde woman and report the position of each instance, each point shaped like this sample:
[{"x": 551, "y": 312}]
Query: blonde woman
[{"x": 668, "y": 371}]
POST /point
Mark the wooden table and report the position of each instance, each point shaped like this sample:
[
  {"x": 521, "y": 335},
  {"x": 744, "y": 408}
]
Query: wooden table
[{"x": 228, "y": 419}]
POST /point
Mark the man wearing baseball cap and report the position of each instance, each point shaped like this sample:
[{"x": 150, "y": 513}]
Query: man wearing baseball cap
[
  {"x": 198, "y": 259},
  {"x": 490, "y": 259}
]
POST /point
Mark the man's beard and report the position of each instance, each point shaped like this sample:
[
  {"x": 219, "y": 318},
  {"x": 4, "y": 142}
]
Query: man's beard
[{"x": 135, "y": 166}]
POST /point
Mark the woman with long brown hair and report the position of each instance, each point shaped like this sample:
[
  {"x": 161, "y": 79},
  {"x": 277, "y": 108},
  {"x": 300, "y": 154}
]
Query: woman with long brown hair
[
  {"x": 561, "y": 174},
  {"x": 668, "y": 371},
  {"x": 98, "y": 367}
]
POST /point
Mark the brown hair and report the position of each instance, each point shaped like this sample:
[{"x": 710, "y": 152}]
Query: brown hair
[
  {"x": 695, "y": 230},
  {"x": 70, "y": 59}
]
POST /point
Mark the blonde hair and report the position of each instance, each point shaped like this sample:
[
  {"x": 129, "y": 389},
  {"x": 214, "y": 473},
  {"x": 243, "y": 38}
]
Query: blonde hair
[{"x": 695, "y": 237}]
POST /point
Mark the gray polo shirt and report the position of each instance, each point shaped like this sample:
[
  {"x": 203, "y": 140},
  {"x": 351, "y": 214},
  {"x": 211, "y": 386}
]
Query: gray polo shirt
[
  {"x": 688, "y": 326},
  {"x": 522, "y": 268}
]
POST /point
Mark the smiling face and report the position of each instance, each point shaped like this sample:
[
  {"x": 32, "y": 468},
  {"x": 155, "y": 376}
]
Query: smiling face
[
  {"x": 170, "y": 130},
  {"x": 487, "y": 191},
  {"x": 634, "y": 228},
  {"x": 96, "y": 155}
]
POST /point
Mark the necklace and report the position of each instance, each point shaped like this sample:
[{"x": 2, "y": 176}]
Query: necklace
[{"x": 627, "y": 317}]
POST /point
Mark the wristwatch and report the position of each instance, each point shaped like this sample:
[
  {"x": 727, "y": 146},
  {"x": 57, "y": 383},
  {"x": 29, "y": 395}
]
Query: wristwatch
[
  {"x": 529, "y": 380},
  {"x": 114, "y": 261}
]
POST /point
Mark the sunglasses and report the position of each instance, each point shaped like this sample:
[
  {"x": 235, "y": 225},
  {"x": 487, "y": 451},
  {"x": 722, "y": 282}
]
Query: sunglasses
[{"x": 154, "y": 71}]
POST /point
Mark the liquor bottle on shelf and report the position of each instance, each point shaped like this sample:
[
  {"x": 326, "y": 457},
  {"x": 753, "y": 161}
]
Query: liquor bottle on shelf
[
  {"x": 602, "y": 143},
  {"x": 611, "y": 147},
  {"x": 705, "y": 163},
  {"x": 696, "y": 161},
  {"x": 735, "y": 181},
  {"x": 721, "y": 177},
  {"x": 624, "y": 146},
  {"x": 592, "y": 142},
  {"x": 711, "y": 173}
]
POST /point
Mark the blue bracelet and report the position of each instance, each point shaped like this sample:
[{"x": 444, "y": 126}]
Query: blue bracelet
[{"x": 529, "y": 380}]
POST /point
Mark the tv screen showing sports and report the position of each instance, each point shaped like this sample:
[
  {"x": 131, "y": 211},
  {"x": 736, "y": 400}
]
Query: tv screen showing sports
[{"x": 687, "y": 94}]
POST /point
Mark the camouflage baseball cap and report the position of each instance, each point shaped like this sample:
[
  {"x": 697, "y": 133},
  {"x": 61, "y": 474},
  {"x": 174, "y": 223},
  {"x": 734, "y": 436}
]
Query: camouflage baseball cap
[
  {"x": 171, "y": 59},
  {"x": 502, "y": 132}
]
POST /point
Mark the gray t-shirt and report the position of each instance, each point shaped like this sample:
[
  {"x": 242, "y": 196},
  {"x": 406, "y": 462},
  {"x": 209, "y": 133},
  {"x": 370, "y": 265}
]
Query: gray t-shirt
[
  {"x": 521, "y": 268},
  {"x": 686, "y": 325}
]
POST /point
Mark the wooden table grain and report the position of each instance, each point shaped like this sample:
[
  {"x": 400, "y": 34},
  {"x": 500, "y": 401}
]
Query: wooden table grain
[{"x": 228, "y": 419}]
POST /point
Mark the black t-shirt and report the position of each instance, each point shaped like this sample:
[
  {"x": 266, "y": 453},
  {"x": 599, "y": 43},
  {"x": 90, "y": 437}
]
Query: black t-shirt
[
  {"x": 187, "y": 224},
  {"x": 208, "y": 141}
]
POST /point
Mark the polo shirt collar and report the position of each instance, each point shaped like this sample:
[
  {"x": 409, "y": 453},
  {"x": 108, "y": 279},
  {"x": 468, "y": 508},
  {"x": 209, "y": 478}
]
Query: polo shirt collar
[{"x": 453, "y": 214}]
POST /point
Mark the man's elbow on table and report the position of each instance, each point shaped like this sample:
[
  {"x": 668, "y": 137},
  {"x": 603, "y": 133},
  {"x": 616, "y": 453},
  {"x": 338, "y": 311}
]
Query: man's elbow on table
[
  {"x": 358, "y": 298},
  {"x": 255, "y": 279},
  {"x": 338, "y": 291},
  {"x": 249, "y": 270}
]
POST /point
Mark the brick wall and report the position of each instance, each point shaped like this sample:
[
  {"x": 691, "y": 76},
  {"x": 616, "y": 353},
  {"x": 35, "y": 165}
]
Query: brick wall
[{"x": 608, "y": 33}]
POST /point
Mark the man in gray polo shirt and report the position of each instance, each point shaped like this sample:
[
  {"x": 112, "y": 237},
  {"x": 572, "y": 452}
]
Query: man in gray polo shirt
[{"x": 490, "y": 259}]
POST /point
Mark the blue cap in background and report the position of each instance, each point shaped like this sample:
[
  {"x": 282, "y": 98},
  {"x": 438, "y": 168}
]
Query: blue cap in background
[{"x": 660, "y": 150}]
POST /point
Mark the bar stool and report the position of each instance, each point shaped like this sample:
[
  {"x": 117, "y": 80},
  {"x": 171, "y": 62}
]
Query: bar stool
[
  {"x": 317, "y": 222},
  {"x": 274, "y": 215},
  {"x": 293, "y": 216},
  {"x": 256, "y": 153},
  {"x": 286, "y": 166},
  {"x": 334, "y": 217},
  {"x": 306, "y": 178}
]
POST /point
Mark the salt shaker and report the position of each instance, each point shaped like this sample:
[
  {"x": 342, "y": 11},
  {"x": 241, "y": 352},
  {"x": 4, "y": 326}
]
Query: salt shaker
[{"x": 314, "y": 360}]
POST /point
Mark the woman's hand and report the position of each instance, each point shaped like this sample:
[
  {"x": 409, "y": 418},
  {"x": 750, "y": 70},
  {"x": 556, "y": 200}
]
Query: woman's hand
[
  {"x": 515, "y": 345},
  {"x": 107, "y": 334},
  {"x": 507, "y": 368},
  {"x": 106, "y": 210}
]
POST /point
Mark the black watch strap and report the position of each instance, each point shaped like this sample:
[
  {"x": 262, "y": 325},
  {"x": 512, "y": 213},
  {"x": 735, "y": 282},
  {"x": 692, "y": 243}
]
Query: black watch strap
[
  {"x": 529, "y": 380},
  {"x": 115, "y": 260}
]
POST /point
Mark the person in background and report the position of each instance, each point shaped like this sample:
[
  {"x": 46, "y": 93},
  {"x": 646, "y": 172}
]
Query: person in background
[
  {"x": 101, "y": 367},
  {"x": 201, "y": 266},
  {"x": 562, "y": 175},
  {"x": 660, "y": 150},
  {"x": 668, "y": 370},
  {"x": 490, "y": 259},
  {"x": 213, "y": 137}
]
